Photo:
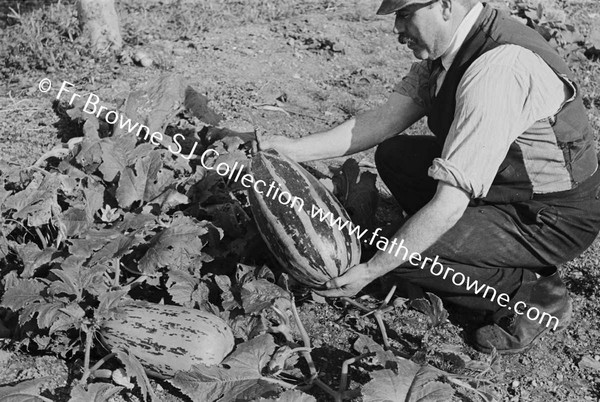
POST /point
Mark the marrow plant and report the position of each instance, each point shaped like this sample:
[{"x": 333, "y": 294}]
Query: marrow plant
[{"x": 109, "y": 220}]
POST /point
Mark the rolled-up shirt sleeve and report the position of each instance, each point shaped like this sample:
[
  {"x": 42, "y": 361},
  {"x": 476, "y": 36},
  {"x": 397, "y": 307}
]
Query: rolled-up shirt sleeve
[
  {"x": 496, "y": 101},
  {"x": 415, "y": 84}
]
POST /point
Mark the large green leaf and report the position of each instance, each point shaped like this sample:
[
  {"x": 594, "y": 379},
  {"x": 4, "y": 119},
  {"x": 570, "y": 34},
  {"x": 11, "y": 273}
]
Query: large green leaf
[
  {"x": 37, "y": 202},
  {"x": 241, "y": 380},
  {"x": 76, "y": 221},
  {"x": 22, "y": 293},
  {"x": 186, "y": 290},
  {"x": 409, "y": 383},
  {"x": 99, "y": 392},
  {"x": 116, "y": 248},
  {"x": 25, "y": 391},
  {"x": 33, "y": 258},
  {"x": 143, "y": 182},
  {"x": 177, "y": 247},
  {"x": 385, "y": 358},
  {"x": 260, "y": 294},
  {"x": 134, "y": 369}
]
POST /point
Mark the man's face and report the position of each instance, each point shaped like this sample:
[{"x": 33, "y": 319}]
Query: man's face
[{"x": 425, "y": 28}]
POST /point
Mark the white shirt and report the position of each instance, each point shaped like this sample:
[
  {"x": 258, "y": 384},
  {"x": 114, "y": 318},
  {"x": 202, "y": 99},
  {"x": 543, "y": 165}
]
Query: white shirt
[
  {"x": 457, "y": 40},
  {"x": 505, "y": 92}
]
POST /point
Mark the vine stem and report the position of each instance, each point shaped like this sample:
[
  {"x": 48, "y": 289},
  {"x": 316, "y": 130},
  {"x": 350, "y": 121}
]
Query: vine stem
[
  {"x": 96, "y": 366},
  {"x": 389, "y": 295},
  {"x": 18, "y": 223},
  {"x": 337, "y": 396},
  {"x": 136, "y": 282},
  {"x": 345, "y": 365},
  {"x": 380, "y": 323},
  {"x": 37, "y": 169},
  {"x": 117, "y": 266},
  {"x": 381, "y": 310},
  {"x": 377, "y": 313},
  {"x": 303, "y": 333},
  {"x": 282, "y": 383},
  {"x": 131, "y": 271},
  {"x": 41, "y": 236},
  {"x": 284, "y": 327},
  {"x": 305, "y": 341},
  {"x": 86, "y": 357},
  {"x": 57, "y": 152}
]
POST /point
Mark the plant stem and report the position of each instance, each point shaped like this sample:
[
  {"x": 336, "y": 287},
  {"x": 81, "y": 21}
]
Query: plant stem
[
  {"x": 284, "y": 327},
  {"x": 86, "y": 356},
  {"x": 345, "y": 365},
  {"x": 355, "y": 304},
  {"x": 337, "y": 397},
  {"x": 96, "y": 366},
  {"x": 305, "y": 341},
  {"x": 117, "y": 266},
  {"x": 389, "y": 296},
  {"x": 131, "y": 271},
  {"x": 283, "y": 317},
  {"x": 279, "y": 382},
  {"x": 18, "y": 223},
  {"x": 100, "y": 362},
  {"x": 37, "y": 169},
  {"x": 136, "y": 282},
  {"x": 380, "y": 309},
  {"x": 42, "y": 238},
  {"x": 56, "y": 152},
  {"x": 377, "y": 315},
  {"x": 303, "y": 333}
]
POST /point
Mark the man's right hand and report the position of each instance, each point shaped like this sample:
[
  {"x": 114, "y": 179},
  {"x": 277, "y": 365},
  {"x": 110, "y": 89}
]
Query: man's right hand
[
  {"x": 349, "y": 283},
  {"x": 280, "y": 143}
]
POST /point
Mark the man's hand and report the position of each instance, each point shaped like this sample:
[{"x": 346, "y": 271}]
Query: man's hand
[
  {"x": 284, "y": 145},
  {"x": 348, "y": 284},
  {"x": 418, "y": 233}
]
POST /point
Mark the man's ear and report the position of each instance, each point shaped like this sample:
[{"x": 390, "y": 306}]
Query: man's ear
[{"x": 447, "y": 6}]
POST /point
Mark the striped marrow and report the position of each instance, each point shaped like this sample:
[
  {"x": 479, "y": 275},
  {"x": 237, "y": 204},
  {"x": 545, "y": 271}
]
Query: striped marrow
[
  {"x": 167, "y": 339},
  {"x": 311, "y": 250}
]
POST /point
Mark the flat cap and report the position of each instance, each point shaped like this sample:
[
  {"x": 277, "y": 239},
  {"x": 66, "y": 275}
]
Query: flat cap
[{"x": 391, "y": 6}]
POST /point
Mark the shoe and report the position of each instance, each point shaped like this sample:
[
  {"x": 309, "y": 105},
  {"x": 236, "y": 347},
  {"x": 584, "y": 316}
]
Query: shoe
[{"x": 516, "y": 333}]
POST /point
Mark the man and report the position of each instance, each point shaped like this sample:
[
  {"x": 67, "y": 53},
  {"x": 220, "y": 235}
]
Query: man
[{"x": 507, "y": 188}]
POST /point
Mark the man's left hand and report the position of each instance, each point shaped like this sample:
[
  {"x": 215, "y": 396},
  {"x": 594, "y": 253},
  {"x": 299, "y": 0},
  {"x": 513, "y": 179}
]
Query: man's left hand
[{"x": 348, "y": 284}]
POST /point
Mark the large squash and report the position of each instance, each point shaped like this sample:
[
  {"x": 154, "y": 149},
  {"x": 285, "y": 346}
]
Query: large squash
[
  {"x": 306, "y": 244},
  {"x": 166, "y": 339}
]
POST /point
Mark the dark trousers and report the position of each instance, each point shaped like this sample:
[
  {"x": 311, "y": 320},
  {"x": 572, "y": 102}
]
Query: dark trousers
[{"x": 501, "y": 245}]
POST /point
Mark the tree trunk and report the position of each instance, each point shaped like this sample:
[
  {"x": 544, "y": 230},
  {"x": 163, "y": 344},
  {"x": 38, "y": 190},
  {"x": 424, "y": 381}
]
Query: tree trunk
[{"x": 99, "y": 20}]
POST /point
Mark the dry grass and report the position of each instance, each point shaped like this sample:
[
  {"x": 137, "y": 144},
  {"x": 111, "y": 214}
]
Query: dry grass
[
  {"x": 204, "y": 15},
  {"x": 45, "y": 35}
]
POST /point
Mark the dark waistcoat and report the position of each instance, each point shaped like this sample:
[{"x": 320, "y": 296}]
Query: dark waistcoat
[{"x": 570, "y": 125}]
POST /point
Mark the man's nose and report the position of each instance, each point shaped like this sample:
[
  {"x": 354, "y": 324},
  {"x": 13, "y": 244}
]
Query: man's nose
[{"x": 399, "y": 26}]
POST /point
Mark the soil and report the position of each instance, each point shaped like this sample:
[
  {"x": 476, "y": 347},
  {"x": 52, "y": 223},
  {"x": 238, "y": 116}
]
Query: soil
[{"x": 327, "y": 60}]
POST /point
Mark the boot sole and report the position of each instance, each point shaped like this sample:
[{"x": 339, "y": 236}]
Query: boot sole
[
  {"x": 564, "y": 324},
  {"x": 487, "y": 350},
  {"x": 525, "y": 348}
]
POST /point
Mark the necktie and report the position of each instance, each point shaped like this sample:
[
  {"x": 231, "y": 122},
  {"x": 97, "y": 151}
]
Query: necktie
[{"x": 437, "y": 77}]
